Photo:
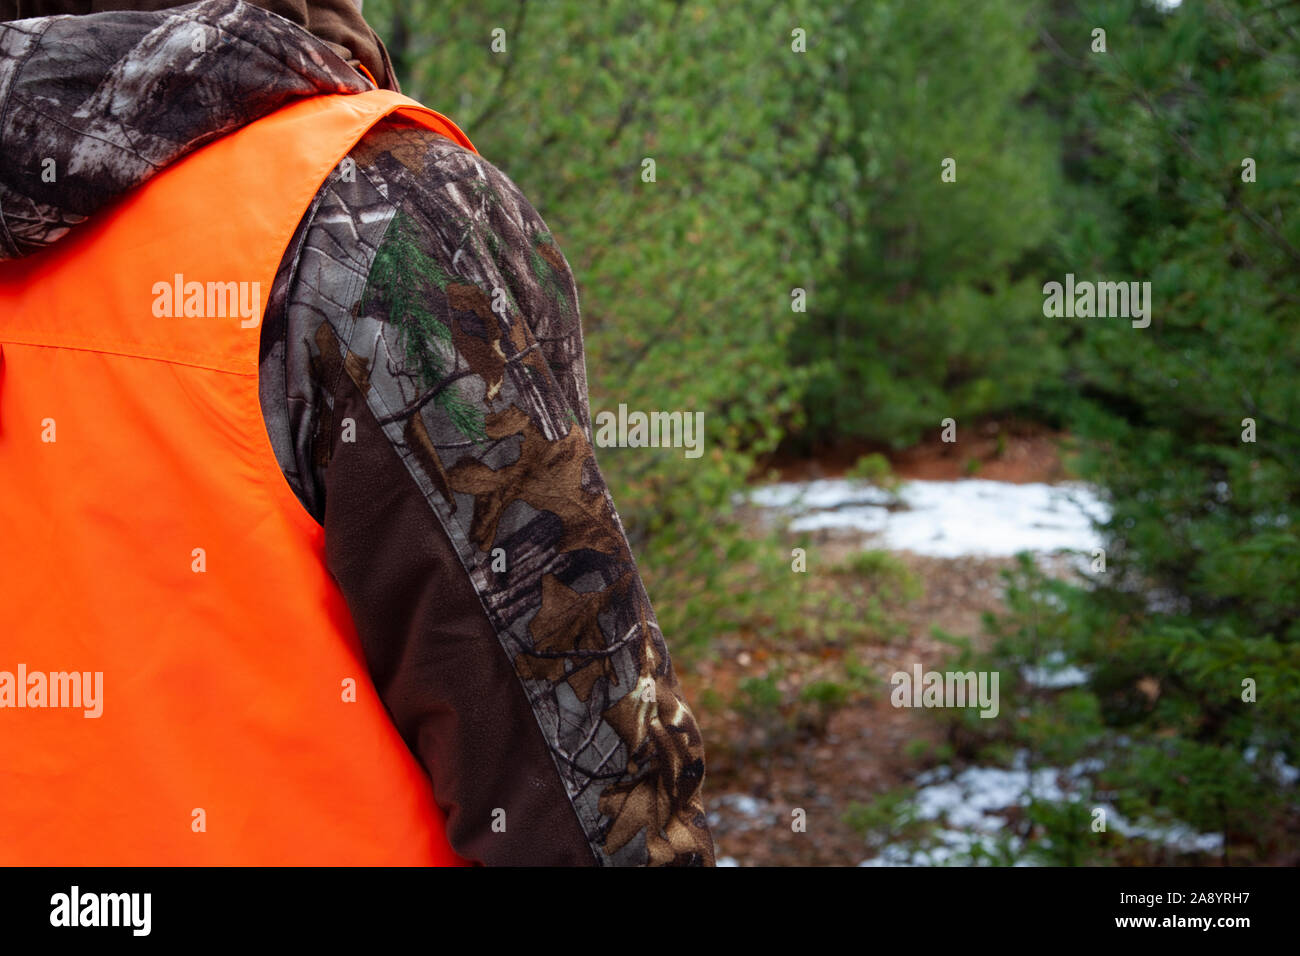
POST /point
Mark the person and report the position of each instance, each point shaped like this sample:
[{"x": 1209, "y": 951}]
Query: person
[{"x": 297, "y": 480}]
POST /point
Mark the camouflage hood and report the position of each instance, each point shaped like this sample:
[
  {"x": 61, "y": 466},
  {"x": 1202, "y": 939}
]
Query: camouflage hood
[{"x": 93, "y": 106}]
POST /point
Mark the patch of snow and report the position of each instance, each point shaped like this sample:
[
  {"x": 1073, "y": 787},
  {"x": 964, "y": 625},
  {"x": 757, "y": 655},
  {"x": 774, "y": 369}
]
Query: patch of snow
[
  {"x": 819, "y": 495},
  {"x": 968, "y": 803},
  {"x": 1284, "y": 771},
  {"x": 953, "y": 846},
  {"x": 746, "y": 812},
  {"x": 1055, "y": 673},
  {"x": 868, "y": 519},
  {"x": 1177, "y": 835},
  {"x": 743, "y": 804},
  {"x": 947, "y": 519},
  {"x": 971, "y": 797}
]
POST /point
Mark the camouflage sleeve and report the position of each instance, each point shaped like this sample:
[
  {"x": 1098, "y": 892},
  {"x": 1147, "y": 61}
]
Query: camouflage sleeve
[{"x": 438, "y": 425}]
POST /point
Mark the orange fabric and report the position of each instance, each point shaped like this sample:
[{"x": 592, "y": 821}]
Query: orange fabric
[
  {"x": 127, "y": 441},
  {"x": 361, "y": 67}
]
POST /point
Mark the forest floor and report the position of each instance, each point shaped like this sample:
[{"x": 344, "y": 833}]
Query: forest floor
[
  {"x": 1013, "y": 451},
  {"x": 758, "y": 770},
  {"x": 867, "y": 747}
]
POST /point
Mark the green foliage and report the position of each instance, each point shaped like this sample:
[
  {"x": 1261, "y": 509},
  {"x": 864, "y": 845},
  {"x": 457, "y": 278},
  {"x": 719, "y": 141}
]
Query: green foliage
[
  {"x": 1161, "y": 721},
  {"x": 889, "y": 818},
  {"x": 403, "y": 276},
  {"x": 883, "y": 569},
  {"x": 759, "y": 694},
  {"x": 929, "y": 315},
  {"x": 1160, "y": 127},
  {"x": 1201, "y": 593},
  {"x": 874, "y": 469}
]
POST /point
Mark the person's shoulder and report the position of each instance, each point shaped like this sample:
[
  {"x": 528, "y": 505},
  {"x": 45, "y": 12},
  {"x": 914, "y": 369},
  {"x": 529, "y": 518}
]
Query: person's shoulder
[
  {"x": 402, "y": 153},
  {"x": 437, "y": 179},
  {"x": 398, "y": 142}
]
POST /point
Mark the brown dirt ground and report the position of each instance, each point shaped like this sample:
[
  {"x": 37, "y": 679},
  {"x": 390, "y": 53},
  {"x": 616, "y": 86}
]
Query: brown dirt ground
[
  {"x": 862, "y": 749},
  {"x": 997, "y": 450},
  {"x": 862, "y": 752}
]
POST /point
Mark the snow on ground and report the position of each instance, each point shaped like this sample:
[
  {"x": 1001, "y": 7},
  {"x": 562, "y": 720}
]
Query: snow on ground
[
  {"x": 953, "y": 847},
  {"x": 946, "y": 519},
  {"x": 1055, "y": 673},
  {"x": 970, "y": 799},
  {"x": 966, "y": 808},
  {"x": 1288, "y": 774},
  {"x": 968, "y": 803},
  {"x": 747, "y": 812},
  {"x": 949, "y": 519}
]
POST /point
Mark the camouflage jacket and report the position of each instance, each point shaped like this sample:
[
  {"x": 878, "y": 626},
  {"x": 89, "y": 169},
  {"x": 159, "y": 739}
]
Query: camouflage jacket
[{"x": 423, "y": 385}]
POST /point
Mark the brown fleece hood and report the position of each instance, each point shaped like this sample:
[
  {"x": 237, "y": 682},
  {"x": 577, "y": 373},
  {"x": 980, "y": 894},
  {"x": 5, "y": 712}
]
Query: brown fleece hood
[{"x": 336, "y": 22}]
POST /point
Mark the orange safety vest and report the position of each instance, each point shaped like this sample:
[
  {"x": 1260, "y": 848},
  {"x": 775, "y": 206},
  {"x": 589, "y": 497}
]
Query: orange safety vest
[{"x": 148, "y": 535}]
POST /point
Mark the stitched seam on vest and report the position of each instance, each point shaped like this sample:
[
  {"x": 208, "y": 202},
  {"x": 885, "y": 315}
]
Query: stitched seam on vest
[{"x": 125, "y": 353}]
